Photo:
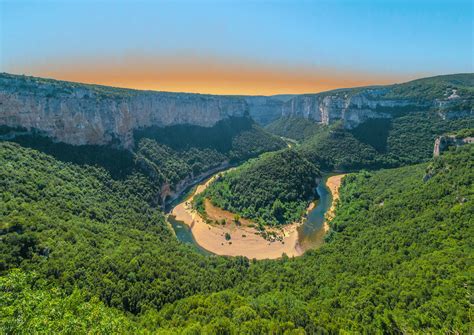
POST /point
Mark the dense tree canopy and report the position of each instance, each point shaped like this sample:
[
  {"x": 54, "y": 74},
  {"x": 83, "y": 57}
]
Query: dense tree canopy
[
  {"x": 407, "y": 138},
  {"x": 297, "y": 128},
  {"x": 166, "y": 155},
  {"x": 76, "y": 226},
  {"x": 398, "y": 261},
  {"x": 274, "y": 189},
  {"x": 91, "y": 250}
]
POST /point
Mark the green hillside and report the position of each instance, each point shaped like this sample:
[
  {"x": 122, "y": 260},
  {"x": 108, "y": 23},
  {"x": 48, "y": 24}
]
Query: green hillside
[
  {"x": 434, "y": 87},
  {"x": 77, "y": 227},
  {"x": 274, "y": 189},
  {"x": 296, "y": 128},
  {"x": 94, "y": 256},
  {"x": 398, "y": 261},
  {"x": 419, "y": 90},
  {"x": 166, "y": 155},
  {"x": 405, "y": 139}
]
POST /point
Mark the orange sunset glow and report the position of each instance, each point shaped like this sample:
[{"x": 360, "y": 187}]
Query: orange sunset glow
[{"x": 205, "y": 75}]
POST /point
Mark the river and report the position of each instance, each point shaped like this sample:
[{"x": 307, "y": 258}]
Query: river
[{"x": 310, "y": 234}]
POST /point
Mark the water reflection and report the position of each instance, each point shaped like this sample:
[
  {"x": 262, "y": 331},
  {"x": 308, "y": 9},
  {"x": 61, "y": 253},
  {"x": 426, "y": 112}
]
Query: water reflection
[{"x": 311, "y": 232}]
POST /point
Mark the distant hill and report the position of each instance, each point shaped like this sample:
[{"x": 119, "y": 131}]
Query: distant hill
[{"x": 399, "y": 131}]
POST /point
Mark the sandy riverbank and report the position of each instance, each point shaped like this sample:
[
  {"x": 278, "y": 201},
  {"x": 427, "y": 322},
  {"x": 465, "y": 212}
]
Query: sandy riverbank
[
  {"x": 244, "y": 240},
  {"x": 333, "y": 183}
]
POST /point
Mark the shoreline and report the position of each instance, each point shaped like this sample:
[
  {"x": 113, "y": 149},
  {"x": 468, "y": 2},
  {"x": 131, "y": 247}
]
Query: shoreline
[
  {"x": 333, "y": 183},
  {"x": 245, "y": 240}
]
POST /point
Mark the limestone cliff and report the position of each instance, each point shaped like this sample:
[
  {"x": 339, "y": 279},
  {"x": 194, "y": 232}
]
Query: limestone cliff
[
  {"x": 91, "y": 114},
  {"x": 353, "y": 109},
  {"x": 355, "y": 106},
  {"x": 88, "y": 114}
]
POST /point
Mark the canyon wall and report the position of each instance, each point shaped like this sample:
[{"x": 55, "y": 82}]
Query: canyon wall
[
  {"x": 91, "y": 114},
  {"x": 88, "y": 114},
  {"x": 355, "y": 106},
  {"x": 443, "y": 142},
  {"x": 353, "y": 109}
]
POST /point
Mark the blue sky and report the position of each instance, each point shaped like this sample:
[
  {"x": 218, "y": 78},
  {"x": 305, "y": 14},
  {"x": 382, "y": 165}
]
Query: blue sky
[{"x": 379, "y": 39}]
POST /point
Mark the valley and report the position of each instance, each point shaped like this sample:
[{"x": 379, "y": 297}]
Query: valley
[
  {"x": 124, "y": 232},
  {"x": 236, "y": 167}
]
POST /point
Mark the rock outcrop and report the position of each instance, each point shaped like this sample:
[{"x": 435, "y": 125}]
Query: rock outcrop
[
  {"x": 353, "y": 109},
  {"x": 355, "y": 106},
  {"x": 443, "y": 142}
]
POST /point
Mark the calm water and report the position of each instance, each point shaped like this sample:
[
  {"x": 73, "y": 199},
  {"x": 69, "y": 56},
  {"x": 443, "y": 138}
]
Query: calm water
[
  {"x": 311, "y": 233},
  {"x": 182, "y": 231}
]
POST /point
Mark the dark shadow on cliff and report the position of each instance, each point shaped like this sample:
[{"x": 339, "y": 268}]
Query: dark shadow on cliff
[
  {"x": 185, "y": 136},
  {"x": 119, "y": 163},
  {"x": 175, "y": 151},
  {"x": 374, "y": 132},
  {"x": 238, "y": 138}
]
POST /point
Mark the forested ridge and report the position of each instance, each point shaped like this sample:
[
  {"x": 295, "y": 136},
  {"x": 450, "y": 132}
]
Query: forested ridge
[
  {"x": 407, "y": 138},
  {"x": 273, "y": 189},
  {"x": 264, "y": 189},
  {"x": 85, "y": 247},
  {"x": 84, "y": 252},
  {"x": 164, "y": 155},
  {"x": 75, "y": 226}
]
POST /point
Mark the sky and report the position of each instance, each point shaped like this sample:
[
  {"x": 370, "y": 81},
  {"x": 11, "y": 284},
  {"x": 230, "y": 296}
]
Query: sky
[{"x": 236, "y": 47}]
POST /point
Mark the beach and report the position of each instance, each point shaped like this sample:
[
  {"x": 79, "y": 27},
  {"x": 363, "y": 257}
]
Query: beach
[
  {"x": 333, "y": 183},
  {"x": 242, "y": 239}
]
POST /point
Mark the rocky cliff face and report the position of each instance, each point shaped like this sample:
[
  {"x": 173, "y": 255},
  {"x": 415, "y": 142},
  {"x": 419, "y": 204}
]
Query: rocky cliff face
[
  {"x": 90, "y": 114},
  {"x": 87, "y": 114},
  {"x": 266, "y": 109},
  {"x": 351, "y": 108},
  {"x": 443, "y": 142}
]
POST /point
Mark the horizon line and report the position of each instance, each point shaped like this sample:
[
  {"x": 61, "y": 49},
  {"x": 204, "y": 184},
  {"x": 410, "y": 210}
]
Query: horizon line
[{"x": 219, "y": 94}]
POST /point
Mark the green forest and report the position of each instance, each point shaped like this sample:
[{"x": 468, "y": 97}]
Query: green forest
[
  {"x": 82, "y": 252},
  {"x": 404, "y": 139},
  {"x": 166, "y": 155},
  {"x": 273, "y": 189}
]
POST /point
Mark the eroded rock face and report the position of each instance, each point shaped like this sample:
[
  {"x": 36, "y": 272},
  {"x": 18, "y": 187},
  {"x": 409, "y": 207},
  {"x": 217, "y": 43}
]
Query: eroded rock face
[
  {"x": 263, "y": 109},
  {"x": 443, "y": 142},
  {"x": 90, "y": 114},
  {"x": 83, "y": 114},
  {"x": 352, "y": 109}
]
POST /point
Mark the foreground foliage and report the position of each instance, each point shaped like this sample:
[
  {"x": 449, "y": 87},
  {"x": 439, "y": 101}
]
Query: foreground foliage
[
  {"x": 77, "y": 227},
  {"x": 398, "y": 261},
  {"x": 28, "y": 307}
]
